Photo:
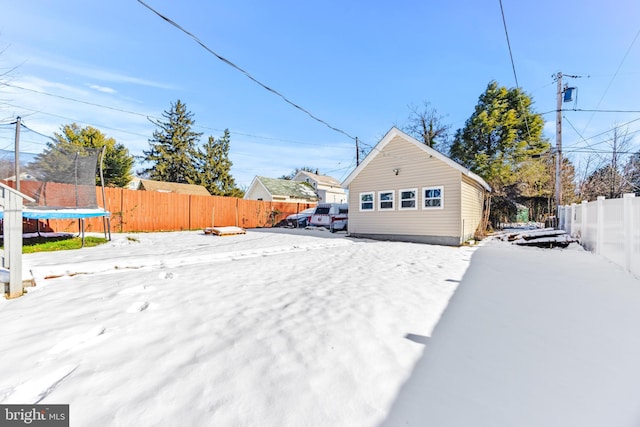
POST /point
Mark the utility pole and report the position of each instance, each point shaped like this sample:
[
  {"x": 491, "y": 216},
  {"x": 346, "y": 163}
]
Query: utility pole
[
  {"x": 559, "y": 142},
  {"x": 357, "y": 153},
  {"x": 17, "y": 155},
  {"x": 560, "y": 91}
]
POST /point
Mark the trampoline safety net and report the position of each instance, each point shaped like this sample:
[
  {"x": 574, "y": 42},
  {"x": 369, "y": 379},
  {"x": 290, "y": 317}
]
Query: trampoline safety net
[{"x": 57, "y": 179}]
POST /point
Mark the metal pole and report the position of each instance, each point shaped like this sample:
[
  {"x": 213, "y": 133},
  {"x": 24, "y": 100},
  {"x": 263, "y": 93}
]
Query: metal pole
[
  {"x": 559, "y": 143},
  {"x": 357, "y": 153},
  {"x": 17, "y": 156}
]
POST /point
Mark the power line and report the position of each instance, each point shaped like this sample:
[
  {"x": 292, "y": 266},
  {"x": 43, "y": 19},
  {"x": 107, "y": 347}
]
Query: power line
[
  {"x": 579, "y": 134},
  {"x": 75, "y": 100},
  {"x": 74, "y": 120},
  {"x": 35, "y": 131},
  {"x": 590, "y": 111},
  {"x": 615, "y": 127},
  {"x": 599, "y": 151},
  {"x": 231, "y": 64},
  {"x": 603, "y": 111},
  {"x": 614, "y": 76},
  {"x": 513, "y": 67},
  {"x": 147, "y": 116}
]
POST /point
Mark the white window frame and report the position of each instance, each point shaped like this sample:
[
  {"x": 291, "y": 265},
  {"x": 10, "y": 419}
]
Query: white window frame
[
  {"x": 380, "y": 201},
  {"x": 415, "y": 199},
  {"x": 424, "y": 197},
  {"x": 373, "y": 201}
]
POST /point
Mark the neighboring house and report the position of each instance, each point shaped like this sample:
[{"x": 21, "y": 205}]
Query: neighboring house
[
  {"x": 168, "y": 187},
  {"x": 328, "y": 189},
  {"x": 280, "y": 190},
  {"x": 405, "y": 190},
  {"x": 24, "y": 176}
]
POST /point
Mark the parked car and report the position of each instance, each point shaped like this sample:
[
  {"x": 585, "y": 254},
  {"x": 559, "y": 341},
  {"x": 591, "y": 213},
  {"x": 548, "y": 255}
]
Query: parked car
[
  {"x": 301, "y": 219},
  {"x": 333, "y": 216}
]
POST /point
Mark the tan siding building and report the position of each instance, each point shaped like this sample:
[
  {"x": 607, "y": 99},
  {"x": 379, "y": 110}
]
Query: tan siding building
[{"x": 405, "y": 190}]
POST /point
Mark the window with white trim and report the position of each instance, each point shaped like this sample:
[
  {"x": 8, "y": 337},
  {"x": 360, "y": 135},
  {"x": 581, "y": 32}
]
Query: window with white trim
[
  {"x": 385, "y": 200},
  {"x": 366, "y": 201},
  {"x": 433, "y": 197},
  {"x": 408, "y": 198}
]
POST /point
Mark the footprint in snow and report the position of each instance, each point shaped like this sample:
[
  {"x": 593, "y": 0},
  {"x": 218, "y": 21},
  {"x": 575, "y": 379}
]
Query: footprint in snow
[
  {"x": 34, "y": 390},
  {"x": 77, "y": 341},
  {"x": 139, "y": 306},
  {"x": 166, "y": 275}
]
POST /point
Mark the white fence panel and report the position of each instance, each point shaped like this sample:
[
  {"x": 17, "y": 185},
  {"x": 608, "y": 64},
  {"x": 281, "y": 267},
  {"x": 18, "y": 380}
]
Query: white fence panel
[
  {"x": 590, "y": 231},
  {"x": 634, "y": 237},
  {"x": 613, "y": 238},
  {"x": 581, "y": 216},
  {"x": 610, "y": 228}
]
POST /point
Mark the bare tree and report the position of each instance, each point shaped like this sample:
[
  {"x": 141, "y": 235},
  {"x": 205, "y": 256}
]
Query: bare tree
[
  {"x": 620, "y": 143},
  {"x": 608, "y": 179},
  {"x": 427, "y": 126},
  {"x": 631, "y": 173}
]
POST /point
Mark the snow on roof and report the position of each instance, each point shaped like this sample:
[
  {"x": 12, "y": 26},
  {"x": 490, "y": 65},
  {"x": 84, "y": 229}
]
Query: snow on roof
[{"x": 286, "y": 187}]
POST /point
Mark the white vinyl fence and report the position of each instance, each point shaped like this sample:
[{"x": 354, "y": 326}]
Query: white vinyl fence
[{"x": 610, "y": 228}]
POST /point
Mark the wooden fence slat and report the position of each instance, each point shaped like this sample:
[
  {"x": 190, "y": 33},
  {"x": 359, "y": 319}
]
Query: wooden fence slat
[{"x": 147, "y": 211}]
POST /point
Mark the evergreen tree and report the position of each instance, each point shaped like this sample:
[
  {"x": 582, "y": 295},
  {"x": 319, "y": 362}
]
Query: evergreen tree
[
  {"x": 501, "y": 134},
  {"x": 499, "y": 142},
  {"x": 117, "y": 162},
  {"x": 173, "y": 151},
  {"x": 215, "y": 167}
]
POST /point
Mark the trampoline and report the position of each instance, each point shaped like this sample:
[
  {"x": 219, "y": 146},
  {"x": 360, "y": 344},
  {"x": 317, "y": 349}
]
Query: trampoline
[{"x": 63, "y": 185}]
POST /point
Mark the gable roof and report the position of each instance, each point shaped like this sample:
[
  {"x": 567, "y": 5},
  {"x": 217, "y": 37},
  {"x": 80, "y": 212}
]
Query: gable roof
[
  {"x": 394, "y": 132},
  {"x": 286, "y": 187},
  {"x": 320, "y": 179},
  {"x": 173, "y": 187}
]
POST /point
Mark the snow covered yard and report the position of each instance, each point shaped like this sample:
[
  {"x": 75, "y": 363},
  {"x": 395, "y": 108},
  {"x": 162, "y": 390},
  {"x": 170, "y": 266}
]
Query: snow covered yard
[
  {"x": 532, "y": 337},
  {"x": 274, "y": 328}
]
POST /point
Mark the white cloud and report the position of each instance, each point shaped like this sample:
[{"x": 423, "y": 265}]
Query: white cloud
[{"x": 103, "y": 89}]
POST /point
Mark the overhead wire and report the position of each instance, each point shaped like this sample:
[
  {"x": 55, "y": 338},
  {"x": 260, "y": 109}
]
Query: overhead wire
[
  {"x": 513, "y": 67},
  {"x": 616, "y": 127},
  {"x": 149, "y": 117},
  {"x": 75, "y": 100},
  {"x": 579, "y": 134},
  {"x": 74, "y": 120},
  {"x": 246, "y": 73},
  {"x": 613, "y": 77}
]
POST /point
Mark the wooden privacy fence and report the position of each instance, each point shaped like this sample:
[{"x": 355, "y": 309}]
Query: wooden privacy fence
[{"x": 135, "y": 210}]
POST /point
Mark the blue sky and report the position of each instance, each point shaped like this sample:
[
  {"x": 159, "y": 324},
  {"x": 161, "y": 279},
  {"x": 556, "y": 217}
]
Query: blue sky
[{"x": 356, "y": 65}]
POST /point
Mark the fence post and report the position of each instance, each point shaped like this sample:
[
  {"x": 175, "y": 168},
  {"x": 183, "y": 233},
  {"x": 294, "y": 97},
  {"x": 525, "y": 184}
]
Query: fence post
[
  {"x": 559, "y": 217},
  {"x": 583, "y": 222},
  {"x": 13, "y": 242},
  {"x": 599, "y": 223},
  {"x": 237, "y": 201},
  {"x": 11, "y": 201},
  {"x": 628, "y": 229},
  {"x": 573, "y": 219}
]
